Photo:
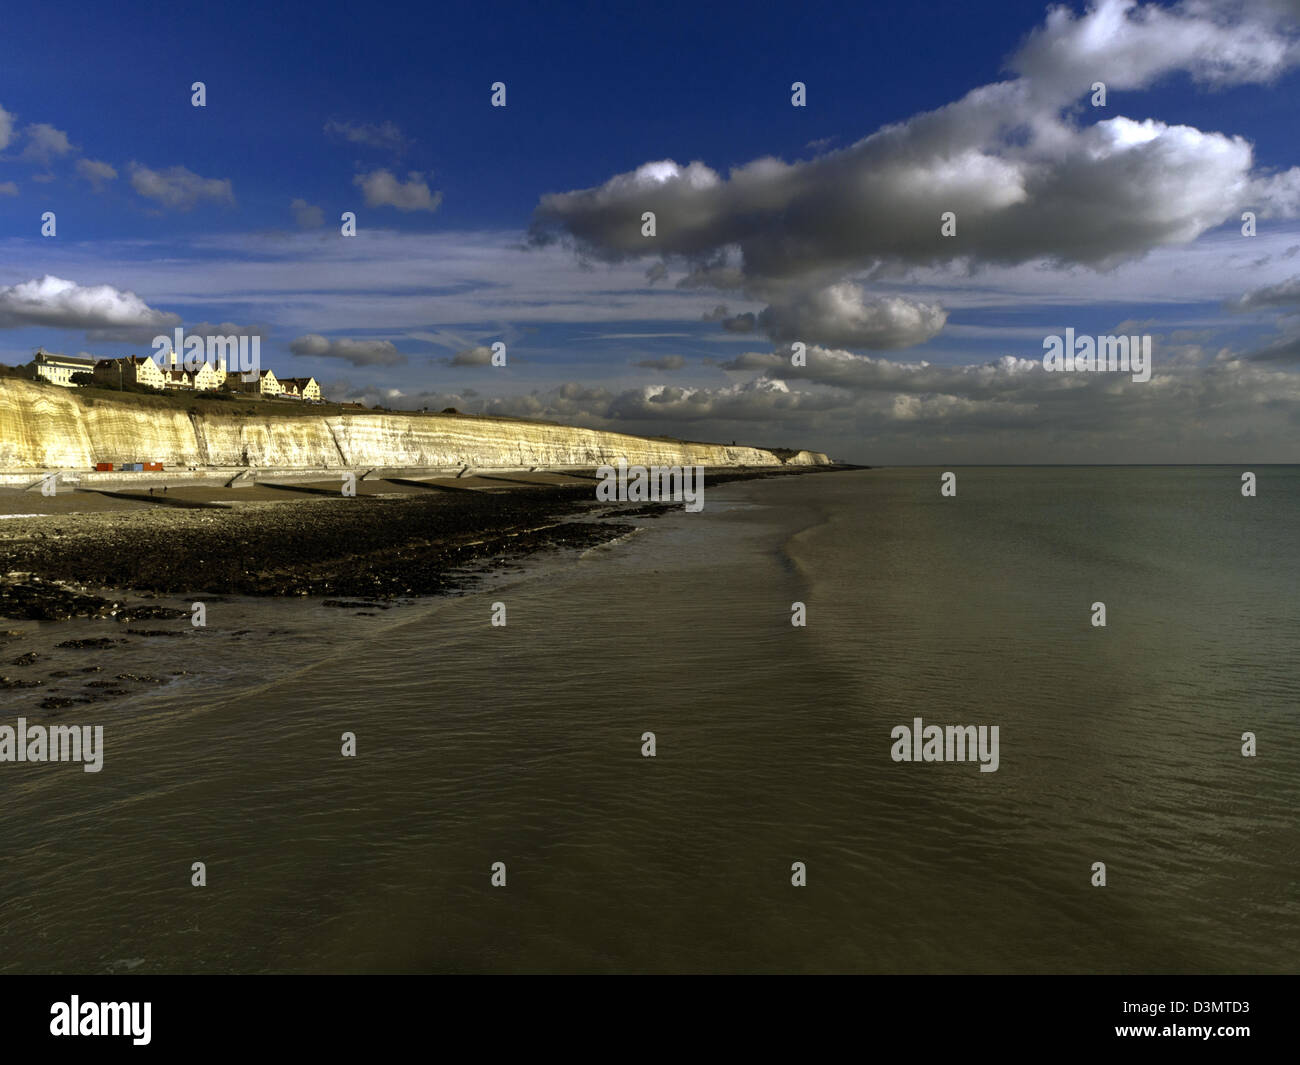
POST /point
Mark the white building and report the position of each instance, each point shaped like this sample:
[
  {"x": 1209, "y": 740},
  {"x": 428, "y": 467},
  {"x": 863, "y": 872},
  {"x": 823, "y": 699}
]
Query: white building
[{"x": 58, "y": 369}]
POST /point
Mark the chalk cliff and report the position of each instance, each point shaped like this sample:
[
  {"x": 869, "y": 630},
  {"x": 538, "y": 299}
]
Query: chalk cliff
[{"x": 46, "y": 427}]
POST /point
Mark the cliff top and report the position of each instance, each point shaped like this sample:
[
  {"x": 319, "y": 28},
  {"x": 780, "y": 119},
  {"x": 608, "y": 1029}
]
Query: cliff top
[{"x": 236, "y": 404}]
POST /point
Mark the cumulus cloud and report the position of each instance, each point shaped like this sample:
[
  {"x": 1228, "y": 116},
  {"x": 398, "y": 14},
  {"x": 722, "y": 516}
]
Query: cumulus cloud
[
  {"x": 1021, "y": 186},
  {"x": 755, "y": 360},
  {"x": 1195, "y": 408},
  {"x": 478, "y": 355},
  {"x": 663, "y": 362},
  {"x": 1003, "y": 377},
  {"x": 1284, "y": 350},
  {"x": 382, "y": 189},
  {"x": 1129, "y": 46},
  {"x": 385, "y": 135},
  {"x": 6, "y": 128},
  {"x": 179, "y": 188},
  {"x": 57, "y": 303},
  {"x": 8, "y": 188},
  {"x": 740, "y": 323},
  {"x": 843, "y": 315},
  {"x": 357, "y": 352},
  {"x": 45, "y": 143},
  {"x": 96, "y": 172},
  {"x": 884, "y": 410},
  {"x": 662, "y": 409},
  {"x": 1025, "y": 171},
  {"x": 1284, "y": 295},
  {"x": 306, "y": 215}
]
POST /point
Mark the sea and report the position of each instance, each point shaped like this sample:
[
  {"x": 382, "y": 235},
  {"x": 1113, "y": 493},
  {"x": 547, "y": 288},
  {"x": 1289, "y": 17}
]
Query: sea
[{"x": 679, "y": 752}]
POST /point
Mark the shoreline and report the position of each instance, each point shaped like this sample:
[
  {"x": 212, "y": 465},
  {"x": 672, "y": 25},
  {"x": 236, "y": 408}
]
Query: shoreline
[{"x": 392, "y": 540}]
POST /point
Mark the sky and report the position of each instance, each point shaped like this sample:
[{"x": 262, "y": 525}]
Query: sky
[{"x": 873, "y": 273}]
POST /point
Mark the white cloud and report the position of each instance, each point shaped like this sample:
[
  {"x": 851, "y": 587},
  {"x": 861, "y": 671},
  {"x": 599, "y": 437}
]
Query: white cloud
[
  {"x": 1285, "y": 294},
  {"x": 1130, "y": 46},
  {"x": 60, "y": 304},
  {"x": 385, "y": 135},
  {"x": 478, "y": 355},
  {"x": 882, "y": 411},
  {"x": 382, "y": 189},
  {"x": 45, "y": 143},
  {"x": 96, "y": 172},
  {"x": 180, "y": 188},
  {"x": 843, "y": 315},
  {"x": 357, "y": 352},
  {"x": 666, "y": 363},
  {"x": 1014, "y": 161},
  {"x": 306, "y": 215}
]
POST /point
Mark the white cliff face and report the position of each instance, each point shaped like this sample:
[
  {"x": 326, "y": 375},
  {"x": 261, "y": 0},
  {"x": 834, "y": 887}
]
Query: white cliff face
[{"x": 47, "y": 427}]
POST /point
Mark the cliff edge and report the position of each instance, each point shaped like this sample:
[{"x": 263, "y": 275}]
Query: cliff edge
[{"x": 48, "y": 427}]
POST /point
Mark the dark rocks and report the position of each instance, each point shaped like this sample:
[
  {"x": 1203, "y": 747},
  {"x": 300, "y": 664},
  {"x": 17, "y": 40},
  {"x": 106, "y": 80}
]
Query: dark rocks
[
  {"x": 35, "y": 599},
  {"x": 100, "y": 694},
  {"x": 25, "y": 660},
  {"x": 348, "y": 555},
  {"x": 141, "y": 678},
  {"x": 99, "y": 641},
  {"x": 151, "y": 613},
  {"x": 391, "y": 547},
  {"x": 7, "y": 683}
]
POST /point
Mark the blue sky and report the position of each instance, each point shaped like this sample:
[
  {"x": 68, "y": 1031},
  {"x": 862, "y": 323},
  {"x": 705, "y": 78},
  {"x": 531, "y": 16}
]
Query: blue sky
[{"x": 1103, "y": 219}]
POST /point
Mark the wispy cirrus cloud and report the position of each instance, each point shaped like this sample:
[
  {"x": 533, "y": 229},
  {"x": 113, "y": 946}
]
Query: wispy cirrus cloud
[{"x": 384, "y": 135}]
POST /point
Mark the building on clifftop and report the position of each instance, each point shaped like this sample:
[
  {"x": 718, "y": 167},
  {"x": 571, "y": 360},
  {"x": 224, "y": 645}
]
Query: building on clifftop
[
  {"x": 265, "y": 382},
  {"x": 132, "y": 370},
  {"x": 300, "y": 387},
  {"x": 57, "y": 369}
]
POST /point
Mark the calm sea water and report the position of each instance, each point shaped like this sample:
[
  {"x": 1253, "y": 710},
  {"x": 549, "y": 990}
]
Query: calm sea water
[{"x": 522, "y": 745}]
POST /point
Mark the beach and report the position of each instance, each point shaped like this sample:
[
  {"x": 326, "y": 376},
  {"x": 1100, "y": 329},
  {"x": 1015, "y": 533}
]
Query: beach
[{"x": 394, "y": 537}]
